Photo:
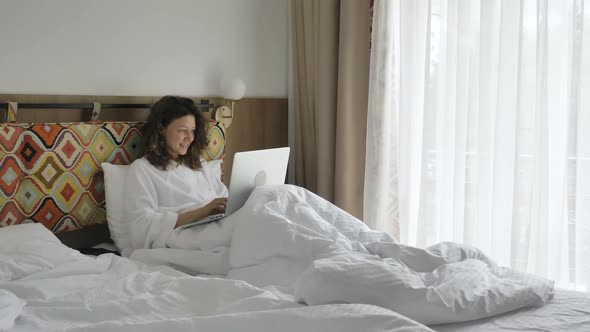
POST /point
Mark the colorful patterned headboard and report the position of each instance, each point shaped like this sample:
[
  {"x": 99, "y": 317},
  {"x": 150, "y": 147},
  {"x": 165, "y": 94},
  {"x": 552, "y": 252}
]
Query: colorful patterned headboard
[{"x": 50, "y": 172}]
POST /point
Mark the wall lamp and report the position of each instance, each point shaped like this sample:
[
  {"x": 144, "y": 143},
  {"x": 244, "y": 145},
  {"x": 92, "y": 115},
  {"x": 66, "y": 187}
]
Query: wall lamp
[{"x": 233, "y": 90}]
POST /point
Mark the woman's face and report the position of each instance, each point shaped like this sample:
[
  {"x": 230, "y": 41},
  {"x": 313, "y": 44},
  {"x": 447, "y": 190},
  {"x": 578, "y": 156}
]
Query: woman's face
[{"x": 179, "y": 135}]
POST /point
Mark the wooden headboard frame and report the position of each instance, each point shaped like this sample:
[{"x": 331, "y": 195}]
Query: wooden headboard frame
[{"x": 89, "y": 235}]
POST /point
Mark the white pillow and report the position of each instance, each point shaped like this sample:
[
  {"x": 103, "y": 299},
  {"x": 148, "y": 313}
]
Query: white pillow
[
  {"x": 31, "y": 248},
  {"x": 115, "y": 191}
]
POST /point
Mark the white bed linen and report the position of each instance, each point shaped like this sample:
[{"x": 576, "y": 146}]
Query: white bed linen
[
  {"x": 288, "y": 236},
  {"x": 289, "y": 239},
  {"x": 566, "y": 311},
  {"x": 29, "y": 248},
  {"x": 293, "y": 240},
  {"x": 194, "y": 262},
  {"x": 10, "y": 308},
  {"x": 110, "y": 293}
]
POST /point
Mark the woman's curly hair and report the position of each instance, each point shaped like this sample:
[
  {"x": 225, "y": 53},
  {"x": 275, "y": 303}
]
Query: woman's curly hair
[{"x": 164, "y": 111}]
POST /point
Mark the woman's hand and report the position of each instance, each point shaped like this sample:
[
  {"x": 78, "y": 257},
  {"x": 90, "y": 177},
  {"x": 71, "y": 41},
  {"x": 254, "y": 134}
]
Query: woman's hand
[{"x": 215, "y": 206}]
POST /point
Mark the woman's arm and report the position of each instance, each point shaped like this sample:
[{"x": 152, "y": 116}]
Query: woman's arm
[{"x": 215, "y": 206}]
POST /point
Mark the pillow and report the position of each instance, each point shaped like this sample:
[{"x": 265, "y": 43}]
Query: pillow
[
  {"x": 30, "y": 248},
  {"x": 115, "y": 191}
]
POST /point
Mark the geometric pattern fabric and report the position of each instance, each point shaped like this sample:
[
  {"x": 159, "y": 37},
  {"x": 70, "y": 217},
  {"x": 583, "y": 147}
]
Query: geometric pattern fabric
[{"x": 50, "y": 172}]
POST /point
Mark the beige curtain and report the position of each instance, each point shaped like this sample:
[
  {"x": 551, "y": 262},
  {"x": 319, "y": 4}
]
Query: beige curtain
[{"x": 330, "y": 92}]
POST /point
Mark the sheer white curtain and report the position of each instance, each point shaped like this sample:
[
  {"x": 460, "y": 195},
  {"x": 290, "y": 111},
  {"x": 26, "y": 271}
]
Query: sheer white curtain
[{"x": 479, "y": 129}]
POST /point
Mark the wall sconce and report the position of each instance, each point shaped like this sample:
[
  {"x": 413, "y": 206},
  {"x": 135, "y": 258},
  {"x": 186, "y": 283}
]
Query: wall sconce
[{"x": 233, "y": 90}]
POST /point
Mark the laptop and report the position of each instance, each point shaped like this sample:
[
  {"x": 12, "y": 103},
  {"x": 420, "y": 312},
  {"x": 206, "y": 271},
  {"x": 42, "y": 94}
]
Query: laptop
[{"x": 249, "y": 170}]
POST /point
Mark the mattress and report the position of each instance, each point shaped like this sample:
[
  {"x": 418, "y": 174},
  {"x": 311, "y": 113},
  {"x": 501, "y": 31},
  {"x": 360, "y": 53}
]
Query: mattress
[{"x": 566, "y": 311}]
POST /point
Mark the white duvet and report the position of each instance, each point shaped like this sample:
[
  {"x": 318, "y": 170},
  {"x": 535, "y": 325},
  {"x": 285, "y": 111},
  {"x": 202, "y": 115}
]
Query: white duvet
[
  {"x": 294, "y": 262},
  {"x": 289, "y": 237},
  {"x": 110, "y": 293}
]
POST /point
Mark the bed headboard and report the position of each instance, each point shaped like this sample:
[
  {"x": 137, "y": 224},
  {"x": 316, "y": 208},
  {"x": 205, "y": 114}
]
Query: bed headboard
[{"x": 50, "y": 172}]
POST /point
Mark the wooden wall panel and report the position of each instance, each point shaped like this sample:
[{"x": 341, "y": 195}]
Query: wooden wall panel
[{"x": 259, "y": 123}]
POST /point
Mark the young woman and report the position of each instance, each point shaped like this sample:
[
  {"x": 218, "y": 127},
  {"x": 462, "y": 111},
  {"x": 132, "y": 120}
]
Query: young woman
[{"x": 171, "y": 185}]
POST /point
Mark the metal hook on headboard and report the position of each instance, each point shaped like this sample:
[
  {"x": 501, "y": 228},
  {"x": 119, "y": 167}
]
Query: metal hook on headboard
[
  {"x": 11, "y": 111},
  {"x": 96, "y": 106}
]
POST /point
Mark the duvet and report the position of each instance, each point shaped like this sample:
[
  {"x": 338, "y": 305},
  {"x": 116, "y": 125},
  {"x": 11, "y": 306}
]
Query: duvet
[
  {"x": 40, "y": 291},
  {"x": 290, "y": 238},
  {"x": 288, "y": 258}
]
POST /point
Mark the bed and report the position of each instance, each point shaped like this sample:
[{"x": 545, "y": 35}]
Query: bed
[{"x": 295, "y": 262}]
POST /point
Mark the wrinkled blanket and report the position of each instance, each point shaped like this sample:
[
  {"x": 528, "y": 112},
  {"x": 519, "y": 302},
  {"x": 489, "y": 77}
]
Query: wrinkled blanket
[
  {"x": 109, "y": 293},
  {"x": 295, "y": 241}
]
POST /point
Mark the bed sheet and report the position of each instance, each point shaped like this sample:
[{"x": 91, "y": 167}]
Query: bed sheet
[{"x": 566, "y": 311}]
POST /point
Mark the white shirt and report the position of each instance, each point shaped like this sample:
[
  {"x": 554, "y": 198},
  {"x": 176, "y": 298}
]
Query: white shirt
[{"x": 156, "y": 197}]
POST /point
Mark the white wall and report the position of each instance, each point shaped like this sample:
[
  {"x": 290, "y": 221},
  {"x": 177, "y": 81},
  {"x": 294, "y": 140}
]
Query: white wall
[{"x": 142, "y": 47}]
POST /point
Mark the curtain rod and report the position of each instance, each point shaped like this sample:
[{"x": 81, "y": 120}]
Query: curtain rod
[{"x": 203, "y": 106}]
